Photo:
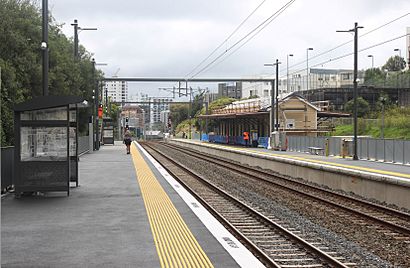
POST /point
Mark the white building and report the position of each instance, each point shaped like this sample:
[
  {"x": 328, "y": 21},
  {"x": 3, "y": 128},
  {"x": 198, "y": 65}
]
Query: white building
[
  {"x": 318, "y": 78},
  {"x": 253, "y": 89},
  {"x": 154, "y": 106},
  {"x": 117, "y": 91}
]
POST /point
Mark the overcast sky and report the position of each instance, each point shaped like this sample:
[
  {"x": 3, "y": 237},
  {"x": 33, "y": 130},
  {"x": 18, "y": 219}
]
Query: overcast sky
[{"x": 168, "y": 38}]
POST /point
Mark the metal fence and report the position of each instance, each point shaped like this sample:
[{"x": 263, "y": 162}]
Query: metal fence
[
  {"x": 83, "y": 144},
  {"x": 7, "y": 170},
  {"x": 387, "y": 150}
]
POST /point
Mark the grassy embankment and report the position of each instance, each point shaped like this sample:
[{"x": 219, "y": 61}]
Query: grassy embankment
[{"x": 396, "y": 125}]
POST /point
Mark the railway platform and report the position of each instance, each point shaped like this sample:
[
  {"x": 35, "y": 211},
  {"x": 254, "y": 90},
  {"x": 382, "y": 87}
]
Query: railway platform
[
  {"x": 127, "y": 212},
  {"x": 385, "y": 182}
]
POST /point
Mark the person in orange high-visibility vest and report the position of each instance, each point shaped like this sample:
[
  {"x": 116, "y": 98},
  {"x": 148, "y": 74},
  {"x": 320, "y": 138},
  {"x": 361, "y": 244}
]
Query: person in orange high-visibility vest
[{"x": 246, "y": 137}]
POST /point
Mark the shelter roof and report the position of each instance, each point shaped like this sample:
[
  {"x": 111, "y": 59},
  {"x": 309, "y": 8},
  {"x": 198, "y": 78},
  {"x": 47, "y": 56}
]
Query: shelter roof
[{"x": 45, "y": 102}]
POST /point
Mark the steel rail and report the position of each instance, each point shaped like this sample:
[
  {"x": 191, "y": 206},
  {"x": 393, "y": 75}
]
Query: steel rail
[
  {"x": 319, "y": 253},
  {"x": 238, "y": 168}
]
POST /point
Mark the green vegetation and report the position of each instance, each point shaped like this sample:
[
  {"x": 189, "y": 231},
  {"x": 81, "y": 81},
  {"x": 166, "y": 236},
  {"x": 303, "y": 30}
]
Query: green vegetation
[
  {"x": 391, "y": 74},
  {"x": 362, "y": 107},
  {"x": 396, "y": 125},
  {"x": 21, "y": 66}
]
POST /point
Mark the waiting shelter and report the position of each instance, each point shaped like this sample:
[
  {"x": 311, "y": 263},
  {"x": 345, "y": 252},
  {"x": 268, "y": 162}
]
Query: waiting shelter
[{"x": 46, "y": 144}]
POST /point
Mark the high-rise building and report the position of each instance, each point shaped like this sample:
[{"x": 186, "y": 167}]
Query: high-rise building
[
  {"x": 153, "y": 107},
  {"x": 117, "y": 91},
  {"x": 231, "y": 90}
]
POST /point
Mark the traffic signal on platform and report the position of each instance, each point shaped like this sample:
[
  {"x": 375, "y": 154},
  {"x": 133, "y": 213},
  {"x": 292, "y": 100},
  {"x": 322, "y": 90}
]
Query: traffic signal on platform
[{"x": 100, "y": 111}]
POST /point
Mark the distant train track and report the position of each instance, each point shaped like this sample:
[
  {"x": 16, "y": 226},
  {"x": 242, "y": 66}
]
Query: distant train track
[
  {"x": 272, "y": 240},
  {"x": 396, "y": 222}
]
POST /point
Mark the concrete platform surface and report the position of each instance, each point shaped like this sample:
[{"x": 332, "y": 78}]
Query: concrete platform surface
[
  {"x": 378, "y": 167},
  {"x": 103, "y": 223}
]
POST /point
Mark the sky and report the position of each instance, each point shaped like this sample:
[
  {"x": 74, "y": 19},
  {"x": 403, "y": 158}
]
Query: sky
[{"x": 169, "y": 38}]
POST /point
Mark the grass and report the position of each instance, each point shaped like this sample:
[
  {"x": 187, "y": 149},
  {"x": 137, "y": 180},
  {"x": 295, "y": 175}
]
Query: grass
[{"x": 397, "y": 126}]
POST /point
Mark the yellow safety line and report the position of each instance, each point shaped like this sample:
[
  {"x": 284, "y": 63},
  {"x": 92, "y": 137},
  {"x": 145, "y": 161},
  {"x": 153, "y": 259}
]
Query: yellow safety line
[
  {"x": 176, "y": 246},
  {"x": 392, "y": 173}
]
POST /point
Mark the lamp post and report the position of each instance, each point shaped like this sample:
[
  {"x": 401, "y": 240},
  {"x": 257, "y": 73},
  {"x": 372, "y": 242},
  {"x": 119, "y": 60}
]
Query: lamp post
[
  {"x": 287, "y": 72},
  {"x": 371, "y": 56},
  {"x": 274, "y": 124},
  {"x": 399, "y": 50},
  {"x": 355, "y": 80},
  {"x": 383, "y": 102},
  {"x": 397, "y": 75},
  {"x": 307, "y": 68},
  {"x": 44, "y": 46},
  {"x": 77, "y": 30}
]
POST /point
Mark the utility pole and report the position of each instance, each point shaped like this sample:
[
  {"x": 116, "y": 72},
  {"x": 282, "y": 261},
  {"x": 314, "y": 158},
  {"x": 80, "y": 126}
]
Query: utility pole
[
  {"x": 287, "y": 71},
  {"x": 97, "y": 104},
  {"x": 77, "y": 30},
  {"x": 355, "y": 80},
  {"x": 277, "y": 95},
  {"x": 44, "y": 47},
  {"x": 75, "y": 24},
  {"x": 274, "y": 96}
]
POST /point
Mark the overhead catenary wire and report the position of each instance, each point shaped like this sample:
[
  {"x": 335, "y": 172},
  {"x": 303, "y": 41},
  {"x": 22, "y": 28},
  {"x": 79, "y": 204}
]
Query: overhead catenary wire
[
  {"x": 351, "y": 53},
  {"x": 226, "y": 40},
  {"x": 250, "y": 38},
  {"x": 342, "y": 56},
  {"x": 350, "y": 41},
  {"x": 266, "y": 21}
]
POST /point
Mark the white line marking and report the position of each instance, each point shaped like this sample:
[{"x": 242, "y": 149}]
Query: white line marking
[{"x": 235, "y": 248}]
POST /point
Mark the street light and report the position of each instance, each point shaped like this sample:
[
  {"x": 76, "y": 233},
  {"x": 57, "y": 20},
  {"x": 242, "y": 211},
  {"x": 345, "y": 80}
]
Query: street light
[
  {"x": 274, "y": 124},
  {"x": 44, "y": 47},
  {"x": 287, "y": 72},
  {"x": 77, "y": 30},
  {"x": 355, "y": 80},
  {"x": 397, "y": 75},
  {"x": 383, "y": 100},
  {"x": 399, "y": 50},
  {"x": 307, "y": 68},
  {"x": 371, "y": 56}
]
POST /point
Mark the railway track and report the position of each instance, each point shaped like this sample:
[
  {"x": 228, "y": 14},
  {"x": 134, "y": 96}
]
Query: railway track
[
  {"x": 384, "y": 219},
  {"x": 272, "y": 240}
]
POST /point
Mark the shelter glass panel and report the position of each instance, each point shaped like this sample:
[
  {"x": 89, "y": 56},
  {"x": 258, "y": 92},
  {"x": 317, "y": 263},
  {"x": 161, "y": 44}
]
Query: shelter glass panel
[
  {"x": 43, "y": 144},
  {"x": 59, "y": 113}
]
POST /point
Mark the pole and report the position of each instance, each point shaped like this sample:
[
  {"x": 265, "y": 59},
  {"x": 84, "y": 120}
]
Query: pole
[
  {"x": 272, "y": 117},
  {"x": 44, "y": 47},
  {"x": 307, "y": 71},
  {"x": 382, "y": 130},
  {"x": 277, "y": 95},
  {"x": 96, "y": 101},
  {"x": 75, "y": 24},
  {"x": 355, "y": 92},
  {"x": 189, "y": 110},
  {"x": 287, "y": 72}
]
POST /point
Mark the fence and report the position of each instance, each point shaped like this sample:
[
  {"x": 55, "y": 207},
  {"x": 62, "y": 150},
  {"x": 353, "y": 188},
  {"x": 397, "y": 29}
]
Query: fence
[
  {"x": 387, "y": 150},
  {"x": 83, "y": 144},
  {"x": 7, "y": 170}
]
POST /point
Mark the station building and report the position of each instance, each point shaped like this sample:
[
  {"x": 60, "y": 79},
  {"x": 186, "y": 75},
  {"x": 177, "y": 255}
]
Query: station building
[{"x": 296, "y": 117}]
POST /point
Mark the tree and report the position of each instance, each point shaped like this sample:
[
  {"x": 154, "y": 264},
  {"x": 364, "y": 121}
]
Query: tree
[
  {"x": 20, "y": 62},
  {"x": 395, "y": 64},
  {"x": 178, "y": 113},
  {"x": 362, "y": 107},
  {"x": 374, "y": 76}
]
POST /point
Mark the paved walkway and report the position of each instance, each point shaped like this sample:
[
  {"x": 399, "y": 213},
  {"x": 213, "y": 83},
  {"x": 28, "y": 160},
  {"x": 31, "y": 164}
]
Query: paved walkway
[{"x": 104, "y": 222}]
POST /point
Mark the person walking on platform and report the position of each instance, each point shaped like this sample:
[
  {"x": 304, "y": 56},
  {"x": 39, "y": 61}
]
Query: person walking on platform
[{"x": 127, "y": 140}]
